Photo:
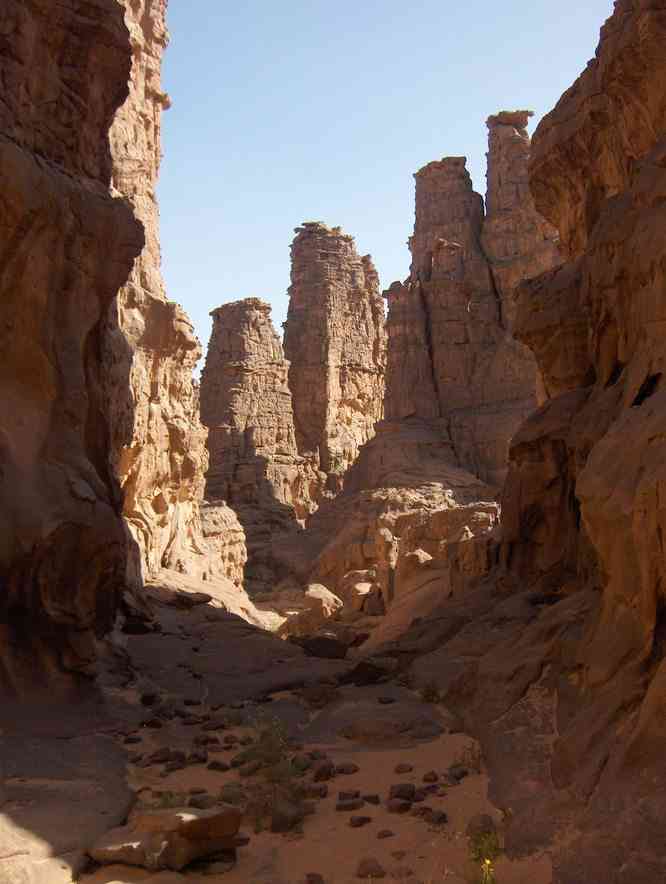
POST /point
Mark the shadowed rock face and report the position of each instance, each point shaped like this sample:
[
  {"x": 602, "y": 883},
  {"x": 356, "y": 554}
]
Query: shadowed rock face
[
  {"x": 585, "y": 489},
  {"x": 336, "y": 346},
  {"x": 557, "y": 660},
  {"x": 452, "y": 359},
  {"x": 67, "y": 247},
  {"x": 254, "y": 462},
  {"x": 158, "y": 442}
]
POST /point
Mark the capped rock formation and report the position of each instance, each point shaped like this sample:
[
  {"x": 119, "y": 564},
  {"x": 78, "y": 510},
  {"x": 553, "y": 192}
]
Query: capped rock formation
[
  {"x": 68, "y": 246},
  {"x": 335, "y": 342},
  {"x": 516, "y": 239},
  {"x": 452, "y": 359},
  {"x": 158, "y": 443},
  {"x": 247, "y": 406}
]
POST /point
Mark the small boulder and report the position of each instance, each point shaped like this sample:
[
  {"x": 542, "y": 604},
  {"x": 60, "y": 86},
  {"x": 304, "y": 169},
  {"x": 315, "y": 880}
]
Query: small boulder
[
  {"x": 370, "y": 868},
  {"x": 405, "y": 791}
]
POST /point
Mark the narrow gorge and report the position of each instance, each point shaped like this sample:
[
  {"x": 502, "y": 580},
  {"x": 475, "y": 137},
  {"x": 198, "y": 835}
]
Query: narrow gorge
[{"x": 380, "y": 598}]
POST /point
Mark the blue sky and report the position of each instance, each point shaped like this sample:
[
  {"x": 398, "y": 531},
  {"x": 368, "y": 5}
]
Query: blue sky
[{"x": 315, "y": 110}]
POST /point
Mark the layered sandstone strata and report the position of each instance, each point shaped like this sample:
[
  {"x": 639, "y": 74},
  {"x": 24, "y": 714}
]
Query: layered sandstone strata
[
  {"x": 336, "y": 344},
  {"x": 518, "y": 241},
  {"x": 247, "y": 405},
  {"x": 452, "y": 359},
  {"x": 68, "y": 246},
  {"x": 568, "y": 695},
  {"x": 158, "y": 442},
  {"x": 414, "y": 521}
]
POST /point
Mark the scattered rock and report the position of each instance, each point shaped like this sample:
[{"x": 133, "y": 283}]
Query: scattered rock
[
  {"x": 346, "y": 806},
  {"x": 370, "y": 868},
  {"x": 202, "y": 802},
  {"x": 457, "y": 773},
  {"x": 347, "y": 769},
  {"x": 431, "y": 777},
  {"x": 220, "y": 766},
  {"x": 324, "y": 771},
  {"x": 371, "y": 799},
  {"x": 349, "y": 796},
  {"x": 356, "y": 822},
  {"x": 397, "y": 805},
  {"x": 198, "y": 756},
  {"x": 404, "y": 768},
  {"x": 405, "y": 791},
  {"x": 385, "y": 833}
]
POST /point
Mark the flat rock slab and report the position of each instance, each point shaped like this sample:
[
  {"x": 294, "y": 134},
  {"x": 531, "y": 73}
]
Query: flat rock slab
[
  {"x": 367, "y": 722},
  {"x": 169, "y": 839}
]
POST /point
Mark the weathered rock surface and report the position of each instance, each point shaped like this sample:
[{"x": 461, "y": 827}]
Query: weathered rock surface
[
  {"x": 518, "y": 242},
  {"x": 254, "y": 461},
  {"x": 169, "y": 839},
  {"x": 452, "y": 359},
  {"x": 390, "y": 541},
  {"x": 68, "y": 247},
  {"x": 336, "y": 345},
  {"x": 158, "y": 442},
  {"x": 562, "y": 675},
  {"x": 413, "y": 523}
]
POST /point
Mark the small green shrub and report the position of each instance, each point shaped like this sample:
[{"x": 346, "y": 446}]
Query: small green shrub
[{"x": 484, "y": 849}]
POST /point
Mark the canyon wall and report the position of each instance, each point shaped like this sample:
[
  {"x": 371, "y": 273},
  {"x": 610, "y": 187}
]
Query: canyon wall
[
  {"x": 452, "y": 359},
  {"x": 254, "y": 461},
  {"x": 414, "y": 521},
  {"x": 556, "y": 658},
  {"x": 158, "y": 442},
  {"x": 67, "y": 248},
  {"x": 335, "y": 342}
]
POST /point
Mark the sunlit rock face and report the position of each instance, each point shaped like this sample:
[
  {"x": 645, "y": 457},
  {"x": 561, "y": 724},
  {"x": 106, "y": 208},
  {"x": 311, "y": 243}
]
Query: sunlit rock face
[
  {"x": 158, "y": 442},
  {"x": 68, "y": 247},
  {"x": 335, "y": 342},
  {"x": 413, "y": 522},
  {"x": 452, "y": 358}
]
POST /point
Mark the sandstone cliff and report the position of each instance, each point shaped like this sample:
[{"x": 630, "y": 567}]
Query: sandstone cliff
[
  {"x": 158, "y": 442},
  {"x": 336, "y": 344},
  {"x": 414, "y": 520},
  {"x": 254, "y": 462},
  {"x": 452, "y": 359},
  {"x": 68, "y": 246},
  {"x": 568, "y": 695}
]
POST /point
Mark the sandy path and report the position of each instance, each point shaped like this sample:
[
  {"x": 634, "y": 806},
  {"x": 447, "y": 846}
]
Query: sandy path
[{"x": 328, "y": 845}]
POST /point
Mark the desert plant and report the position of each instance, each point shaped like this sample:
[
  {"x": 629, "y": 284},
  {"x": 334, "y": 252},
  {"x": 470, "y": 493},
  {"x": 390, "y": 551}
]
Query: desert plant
[{"x": 484, "y": 849}]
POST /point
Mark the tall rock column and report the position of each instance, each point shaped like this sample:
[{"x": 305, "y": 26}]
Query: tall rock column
[
  {"x": 254, "y": 462},
  {"x": 452, "y": 359},
  {"x": 335, "y": 342},
  {"x": 518, "y": 241},
  {"x": 158, "y": 442},
  {"x": 67, "y": 247}
]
